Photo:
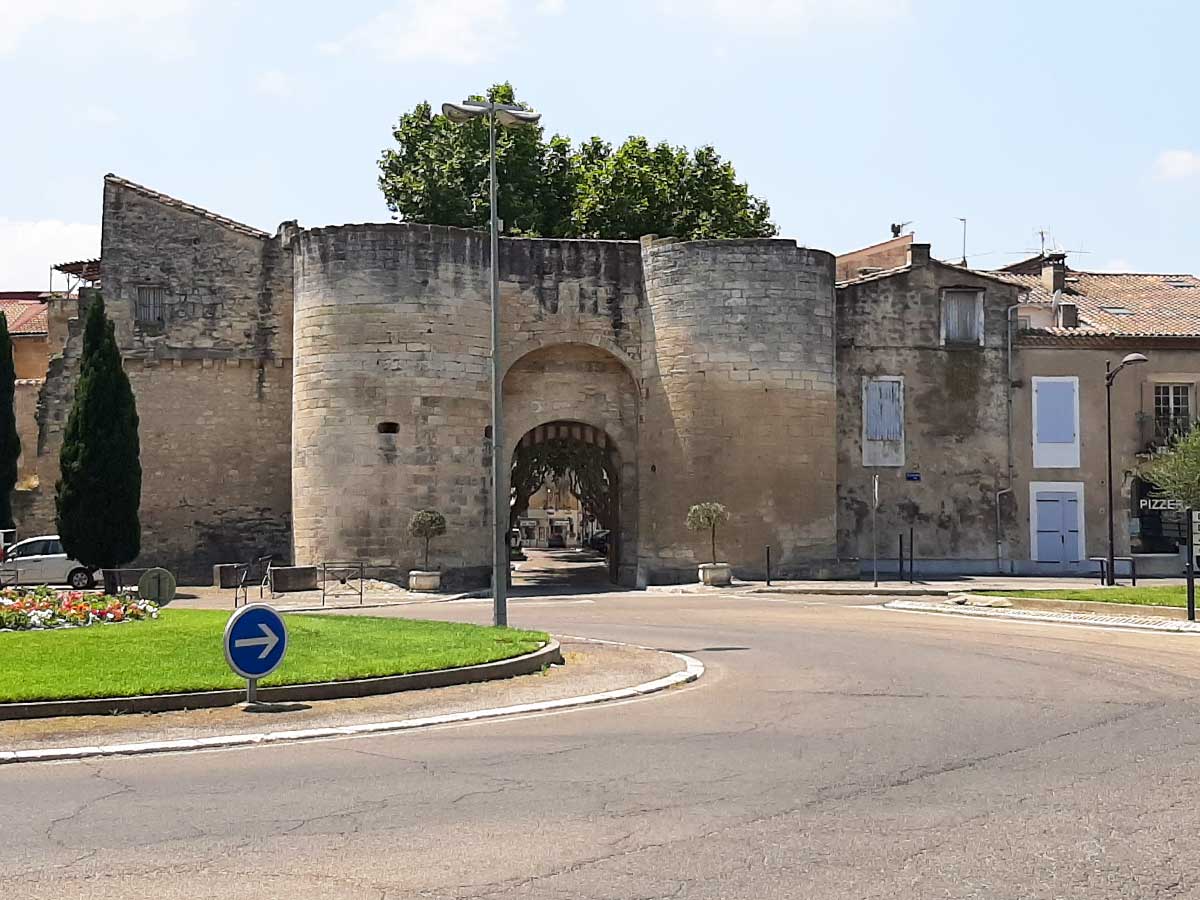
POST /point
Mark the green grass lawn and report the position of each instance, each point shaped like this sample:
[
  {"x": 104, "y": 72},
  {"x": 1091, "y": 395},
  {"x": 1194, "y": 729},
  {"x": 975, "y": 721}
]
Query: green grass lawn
[
  {"x": 181, "y": 651},
  {"x": 1140, "y": 596}
]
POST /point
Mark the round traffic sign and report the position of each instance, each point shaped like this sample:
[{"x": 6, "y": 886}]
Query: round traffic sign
[
  {"x": 157, "y": 585},
  {"x": 255, "y": 641}
]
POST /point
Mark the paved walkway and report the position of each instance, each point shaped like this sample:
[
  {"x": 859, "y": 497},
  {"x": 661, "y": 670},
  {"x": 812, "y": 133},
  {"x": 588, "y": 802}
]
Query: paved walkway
[{"x": 1105, "y": 619}]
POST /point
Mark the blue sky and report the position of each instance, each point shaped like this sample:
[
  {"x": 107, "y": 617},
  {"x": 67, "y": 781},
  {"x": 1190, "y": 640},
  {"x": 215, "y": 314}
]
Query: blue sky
[{"x": 847, "y": 115}]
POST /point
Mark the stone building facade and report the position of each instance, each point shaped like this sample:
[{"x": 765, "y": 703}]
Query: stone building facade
[{"x": 302, "y": 392}]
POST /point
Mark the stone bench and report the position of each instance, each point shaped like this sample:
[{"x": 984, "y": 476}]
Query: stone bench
[{"x": 289, "y": 579}]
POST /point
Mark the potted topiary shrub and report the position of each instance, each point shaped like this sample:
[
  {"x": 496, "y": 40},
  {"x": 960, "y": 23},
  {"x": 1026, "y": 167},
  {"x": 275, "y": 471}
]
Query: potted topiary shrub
[
  {"x": 426, "y": 524},
  {"x": 707, "y": 516}
]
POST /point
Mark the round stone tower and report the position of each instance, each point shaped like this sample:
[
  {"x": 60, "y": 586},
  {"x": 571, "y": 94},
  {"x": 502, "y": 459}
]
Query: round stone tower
[
  {"x": 390, "y": 395},
  {"x": 739, "y": 405}
]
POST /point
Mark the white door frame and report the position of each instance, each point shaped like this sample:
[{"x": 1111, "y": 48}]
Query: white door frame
[{"x": 1066, "y": 487}]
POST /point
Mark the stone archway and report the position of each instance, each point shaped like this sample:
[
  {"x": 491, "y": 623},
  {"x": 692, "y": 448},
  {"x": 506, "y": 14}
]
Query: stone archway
[
  {"x": 590, "y": 463},
  {"x": 581, "y": 396}
]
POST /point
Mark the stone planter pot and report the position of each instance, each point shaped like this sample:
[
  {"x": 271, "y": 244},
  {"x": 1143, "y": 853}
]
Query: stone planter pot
[
  {"x": 716, "y": 574},
  {"x": 424, "y": 581}
]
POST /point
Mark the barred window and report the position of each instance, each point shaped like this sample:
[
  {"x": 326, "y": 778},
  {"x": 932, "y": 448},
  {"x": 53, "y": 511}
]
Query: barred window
[
  {"x": 961, "y": 314},
  {"x": 149, "y": 307}
]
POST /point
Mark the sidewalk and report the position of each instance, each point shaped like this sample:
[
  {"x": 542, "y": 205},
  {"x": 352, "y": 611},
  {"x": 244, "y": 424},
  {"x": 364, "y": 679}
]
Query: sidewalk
[
  {"x": 591, "y": 668},
  {"x": 934, "y": 587},
  {"x": 1099, "y": 618}
]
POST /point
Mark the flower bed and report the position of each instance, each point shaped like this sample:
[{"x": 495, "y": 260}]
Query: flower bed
[{"x": 27, "y": 609}]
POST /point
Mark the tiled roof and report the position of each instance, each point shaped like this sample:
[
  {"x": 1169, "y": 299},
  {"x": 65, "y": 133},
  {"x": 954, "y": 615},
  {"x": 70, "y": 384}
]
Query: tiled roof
[
  {"x": 24, "y": 316},
  {"x": 1122, "y": 304},
  {"x": 184, "y": 207}
]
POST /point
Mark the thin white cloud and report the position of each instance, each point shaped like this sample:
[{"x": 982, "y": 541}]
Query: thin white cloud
[
  {"x": 450, "y": 31},
  {"x": 157, "y": 24},
  {"x": 28, "y": 249},
  {"x": 100, "y": 116},
  {"x": 453, "y": 31},
  {"x": 1176, "y": 164},
  {"x": 783, "y": 18},
  {"x": 273, "y": 83}
]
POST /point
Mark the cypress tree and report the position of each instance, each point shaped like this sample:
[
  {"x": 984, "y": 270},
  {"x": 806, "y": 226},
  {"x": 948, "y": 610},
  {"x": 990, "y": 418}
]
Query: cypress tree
[
  {"x": 100, "y": 482},
  {"x": 10, "y": 441}
]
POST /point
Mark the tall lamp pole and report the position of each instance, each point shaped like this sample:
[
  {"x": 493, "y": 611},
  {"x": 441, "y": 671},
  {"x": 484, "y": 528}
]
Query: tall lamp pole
[
  {"x": 509, "y": 116},
  {"x": 1110, "y": 375}
]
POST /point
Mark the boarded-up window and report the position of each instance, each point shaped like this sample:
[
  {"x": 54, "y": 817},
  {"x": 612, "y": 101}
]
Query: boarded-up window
[
  {"x": 149, "y": 307},
  {"x": 960, "y": 316},
  {"x": 883, "y": 420},
  {"x": 884, "y": 411}
]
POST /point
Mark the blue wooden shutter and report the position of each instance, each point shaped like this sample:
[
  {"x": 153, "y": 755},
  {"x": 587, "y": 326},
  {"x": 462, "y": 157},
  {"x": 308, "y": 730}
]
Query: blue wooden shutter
[{"x": 1056, "y": 412}]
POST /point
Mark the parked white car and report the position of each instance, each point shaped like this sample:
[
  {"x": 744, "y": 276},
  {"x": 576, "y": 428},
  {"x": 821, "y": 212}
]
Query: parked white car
[{"x": 42, "y": 560}]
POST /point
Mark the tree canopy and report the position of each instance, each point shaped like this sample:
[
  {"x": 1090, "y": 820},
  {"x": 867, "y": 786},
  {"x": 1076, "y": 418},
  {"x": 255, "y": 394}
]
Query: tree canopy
[
  {"x": 10, "y": 441},
  {"x": 437, "y": 173},
  {"x": 100, "y": 487},
  {"x": 1176, "y": 472}
]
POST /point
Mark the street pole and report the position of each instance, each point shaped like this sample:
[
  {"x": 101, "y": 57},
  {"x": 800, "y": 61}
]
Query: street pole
[
  {"x": 1109, "y": 578},
  {"x": 499, "y": 504},
  {"x": 874, "y": 528},
  {"x": 1191, "y": 565}
]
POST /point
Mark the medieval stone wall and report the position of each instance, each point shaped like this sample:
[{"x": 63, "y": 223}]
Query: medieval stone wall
[
  {"x": 391, "y": 399},
  {"x": 738, "y": 405},
  {"x": 212, "y": 380},
  {"x": 955, "y": 419}
]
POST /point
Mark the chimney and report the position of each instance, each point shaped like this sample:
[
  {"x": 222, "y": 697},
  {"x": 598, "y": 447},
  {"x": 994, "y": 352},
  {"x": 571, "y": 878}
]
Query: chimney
[
  {"x": 918, "y": 254},
  {"x": 1054, "y": 271}
]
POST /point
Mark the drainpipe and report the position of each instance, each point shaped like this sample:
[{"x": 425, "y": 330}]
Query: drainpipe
[
  {"x": 999, "y": 538},
  {"x": 1008, "y": 391}
]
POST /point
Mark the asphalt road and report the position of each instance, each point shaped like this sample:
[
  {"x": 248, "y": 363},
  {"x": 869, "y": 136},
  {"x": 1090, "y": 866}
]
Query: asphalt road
[{"x": 832, "y": 750}]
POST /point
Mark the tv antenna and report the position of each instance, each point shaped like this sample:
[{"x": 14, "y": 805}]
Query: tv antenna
[
  {"x": 964, "y": 242},
  {"x": 898, "y": 227}
]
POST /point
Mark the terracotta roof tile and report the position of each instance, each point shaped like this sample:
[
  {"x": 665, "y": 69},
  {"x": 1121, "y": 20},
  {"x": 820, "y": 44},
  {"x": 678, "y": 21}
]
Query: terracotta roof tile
[
  {"x": 24, "y": 316},
  {"x": 1124, "y": 304}
]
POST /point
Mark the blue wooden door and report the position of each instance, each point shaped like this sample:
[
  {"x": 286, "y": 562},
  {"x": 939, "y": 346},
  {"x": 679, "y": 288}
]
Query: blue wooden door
[{"x": 1057, "y": 518}]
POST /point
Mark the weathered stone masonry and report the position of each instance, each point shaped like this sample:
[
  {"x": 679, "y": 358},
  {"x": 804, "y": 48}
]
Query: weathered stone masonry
[{"x": 308, "y": 390}]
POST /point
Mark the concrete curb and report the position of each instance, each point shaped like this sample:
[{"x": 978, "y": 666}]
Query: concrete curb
[
  {"x": 1093, "y": 619},
  {"x": 858, "y": 590},
  {"x": 694, "y": 669},
  {"x": 550, "y": 654}
]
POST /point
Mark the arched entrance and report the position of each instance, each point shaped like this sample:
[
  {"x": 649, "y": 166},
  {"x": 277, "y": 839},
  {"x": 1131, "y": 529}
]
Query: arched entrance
[
  {"x": 578, "y": 458},
  {"x": 571, "y": 413}
]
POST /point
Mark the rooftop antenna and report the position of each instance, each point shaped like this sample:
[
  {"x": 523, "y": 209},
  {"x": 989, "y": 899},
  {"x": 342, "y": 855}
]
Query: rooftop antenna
[
  {"x": 964, "y": 256},
  {"x": 898, "y": 227}
]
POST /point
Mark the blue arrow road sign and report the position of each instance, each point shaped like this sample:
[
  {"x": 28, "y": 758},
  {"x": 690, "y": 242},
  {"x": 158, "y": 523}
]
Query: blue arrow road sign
[{"x": 255, "y": 641}]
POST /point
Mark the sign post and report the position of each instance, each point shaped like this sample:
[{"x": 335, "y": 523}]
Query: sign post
[
  {"x": 1193, "y": 519},
  {"x": 874, "y": 531},
  {"x": 255, "y": 642}
]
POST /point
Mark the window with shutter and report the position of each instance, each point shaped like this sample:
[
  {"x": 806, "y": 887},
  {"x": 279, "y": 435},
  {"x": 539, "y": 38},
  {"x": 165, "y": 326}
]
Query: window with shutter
[
  {"x": 960, "y": 317},
  {"x": 883, "y": 421},
  {"x": 1055, "y": 422}
]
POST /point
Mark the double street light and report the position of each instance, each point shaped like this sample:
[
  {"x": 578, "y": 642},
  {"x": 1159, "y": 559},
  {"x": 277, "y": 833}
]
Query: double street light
[
  {"x": 1110, "y": 375},
  {"x": 509, "y": 116}
]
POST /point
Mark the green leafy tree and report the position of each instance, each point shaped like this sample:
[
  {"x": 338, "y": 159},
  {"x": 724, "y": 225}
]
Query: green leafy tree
[
  {"x": 437, "y": 173},
  {"x": 427, "y": 524},
  {"x": 1176, "y": 472},
  {"x": 100, "y": 484},
  {"x": 10, "y": 441},
  {"x": 708, "y": 516}
]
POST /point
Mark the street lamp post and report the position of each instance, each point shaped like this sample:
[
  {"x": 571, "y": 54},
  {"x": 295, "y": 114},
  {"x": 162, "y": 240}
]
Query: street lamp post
[
  {"x": 1110, "y": 375},
  {"x": 510, "y": 116}
]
